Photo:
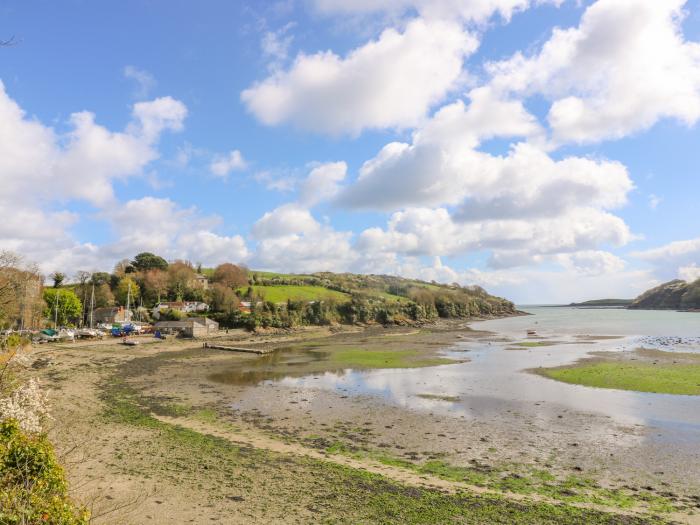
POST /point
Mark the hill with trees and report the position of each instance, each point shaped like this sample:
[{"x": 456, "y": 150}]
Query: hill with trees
[
  {"x": 324, "y": 298},
  {"x": 673, "y": 295},
  {"x": 239, "y": 297},
  {"x": 603, "y": 303}
]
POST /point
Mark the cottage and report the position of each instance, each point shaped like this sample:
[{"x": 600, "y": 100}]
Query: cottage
[
  {"x": 188, "y": 307},
  {"x": 244, "y": 307},
  {"x": 191, "y": 327},
  {"x": 199, "y": 281},
  {"x": 112, "y": 314}
]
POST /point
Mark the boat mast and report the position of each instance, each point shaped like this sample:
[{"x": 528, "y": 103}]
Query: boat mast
[
  {"x": 128, "y": 300},
  {"x": 55, "y": 311},
  {"x": 92, "y": 304}
]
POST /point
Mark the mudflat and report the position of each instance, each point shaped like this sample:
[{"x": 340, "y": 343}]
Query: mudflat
[{"x": 170, "y": 432}]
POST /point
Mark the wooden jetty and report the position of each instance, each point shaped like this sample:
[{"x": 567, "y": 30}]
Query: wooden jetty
[{"x": 259, "y": 351}]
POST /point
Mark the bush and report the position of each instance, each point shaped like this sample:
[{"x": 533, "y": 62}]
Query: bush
[
  {"x": 32, "y": 482},
  {"x": 172, "y": 315}
]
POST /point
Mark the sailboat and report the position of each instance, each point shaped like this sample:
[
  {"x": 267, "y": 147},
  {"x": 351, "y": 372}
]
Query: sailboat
[
  {"x": 128, "y": 328},
  {"x": 90, "y": 332}
]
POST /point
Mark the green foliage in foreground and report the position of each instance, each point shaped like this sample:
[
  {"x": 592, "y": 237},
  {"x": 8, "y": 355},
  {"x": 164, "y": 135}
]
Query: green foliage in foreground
[
  {"x": 32, "y": 483},
  {"x": 639, "y": 376},
  {"x": 334, "y": 493}
]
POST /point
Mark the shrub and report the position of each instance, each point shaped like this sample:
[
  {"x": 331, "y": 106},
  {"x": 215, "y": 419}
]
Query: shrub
[{"x": 32, "y": 482}]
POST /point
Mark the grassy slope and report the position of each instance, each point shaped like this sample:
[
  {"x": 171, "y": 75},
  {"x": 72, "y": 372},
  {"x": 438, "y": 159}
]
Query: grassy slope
[
  {"x": 639, "y": 376},
  {"x": 280, "y": 293}
]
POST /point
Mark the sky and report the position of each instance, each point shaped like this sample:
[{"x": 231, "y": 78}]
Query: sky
[{"x": 547, "y": 150}]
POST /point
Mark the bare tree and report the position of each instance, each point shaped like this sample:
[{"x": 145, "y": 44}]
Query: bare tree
[{"x": 20, "y": 290}]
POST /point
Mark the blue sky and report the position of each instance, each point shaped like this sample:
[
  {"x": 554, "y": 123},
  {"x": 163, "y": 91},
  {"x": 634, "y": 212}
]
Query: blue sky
[{"x": 455, "y": 140}]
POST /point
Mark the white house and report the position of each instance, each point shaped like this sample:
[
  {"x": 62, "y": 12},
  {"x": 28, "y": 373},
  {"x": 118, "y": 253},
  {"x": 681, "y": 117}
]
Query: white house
[{"x": 182, "y": 306}]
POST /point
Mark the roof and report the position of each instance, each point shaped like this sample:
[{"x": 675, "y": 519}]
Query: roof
[
  {"x": 174, "y": 324},
  {"x": 171, "y": 303},
  {"x": 187, "y": 323},
  {"x": 203, "y": 320}
]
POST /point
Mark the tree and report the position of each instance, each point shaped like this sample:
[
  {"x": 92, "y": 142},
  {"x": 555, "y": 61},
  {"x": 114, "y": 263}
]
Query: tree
[
  {"x": 99, "y": 278},
  {"x": 180, "y": 275},
  {"x": 83, "y": 290},
  {"x": 230, "y": 275},
  {"x": 123, "y": 267},
  {"x": 62, "y": 305},
  {"x": 127, "y": 287},
  {"x": 103, "y": 295},
  {"x": 223, "y": 299},
  {"x": 58, "y": 279},
  {"x": 20, "y": 291},
  {"x": 154, "y": 284},
  {"x": 146, "y": 261}
]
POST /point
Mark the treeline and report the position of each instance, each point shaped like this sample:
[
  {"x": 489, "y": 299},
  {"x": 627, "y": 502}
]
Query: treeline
[
  {"x": 149, "y": 279},
  {"x": 145, "y": 281}
]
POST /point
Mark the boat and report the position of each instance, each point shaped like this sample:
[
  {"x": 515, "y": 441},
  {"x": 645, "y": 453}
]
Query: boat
[
  {"x": 531, "y": 332},
  {"x": 64, "y": 334},
  {"x": 48, "y": 335},
  {"x": 130, "y": 342},
  {"x": 89, "y": 333}
]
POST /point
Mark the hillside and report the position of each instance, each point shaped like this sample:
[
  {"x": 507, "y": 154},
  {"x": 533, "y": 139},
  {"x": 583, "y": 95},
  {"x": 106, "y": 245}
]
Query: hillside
[
  {"x": 673, "y": 295},
  {"x": 603, "y": 303},
  {"x": 321, "y": 298}
]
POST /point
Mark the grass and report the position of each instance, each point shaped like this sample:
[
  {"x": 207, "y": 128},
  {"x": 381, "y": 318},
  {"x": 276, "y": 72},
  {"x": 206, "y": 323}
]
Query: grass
[
  {"x": 683, "y": 379},
  {"x": 282, "y": 293},
  {"x": 374, "y": 358},
  {"x": 278, "y": 275},
  {"x": 311, "y": 489}
]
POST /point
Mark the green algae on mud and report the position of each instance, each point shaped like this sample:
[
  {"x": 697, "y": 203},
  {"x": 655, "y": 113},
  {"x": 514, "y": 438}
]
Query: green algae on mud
[
  {"x": 374, "y": 358},
  {"x": 525, "y": 480},
  {"x": 295, "y": 485},
  {"x": 644, "y": 371},
  {"x": 373, "y": 349}
]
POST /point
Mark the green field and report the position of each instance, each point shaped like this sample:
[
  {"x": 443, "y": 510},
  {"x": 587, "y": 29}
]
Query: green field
[
  {"x": 622, "y": 375},
  {"x": 277, "y": 275},
  {"x": 281, "y": 293}
]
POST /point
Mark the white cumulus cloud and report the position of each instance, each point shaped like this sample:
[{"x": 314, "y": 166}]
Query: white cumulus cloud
[
  {"x": 223, "y": 165},
  {"x": 626, "y": 66},
  {"x": 390, "y": 82},
  {"x": 469, "y": 10}
]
